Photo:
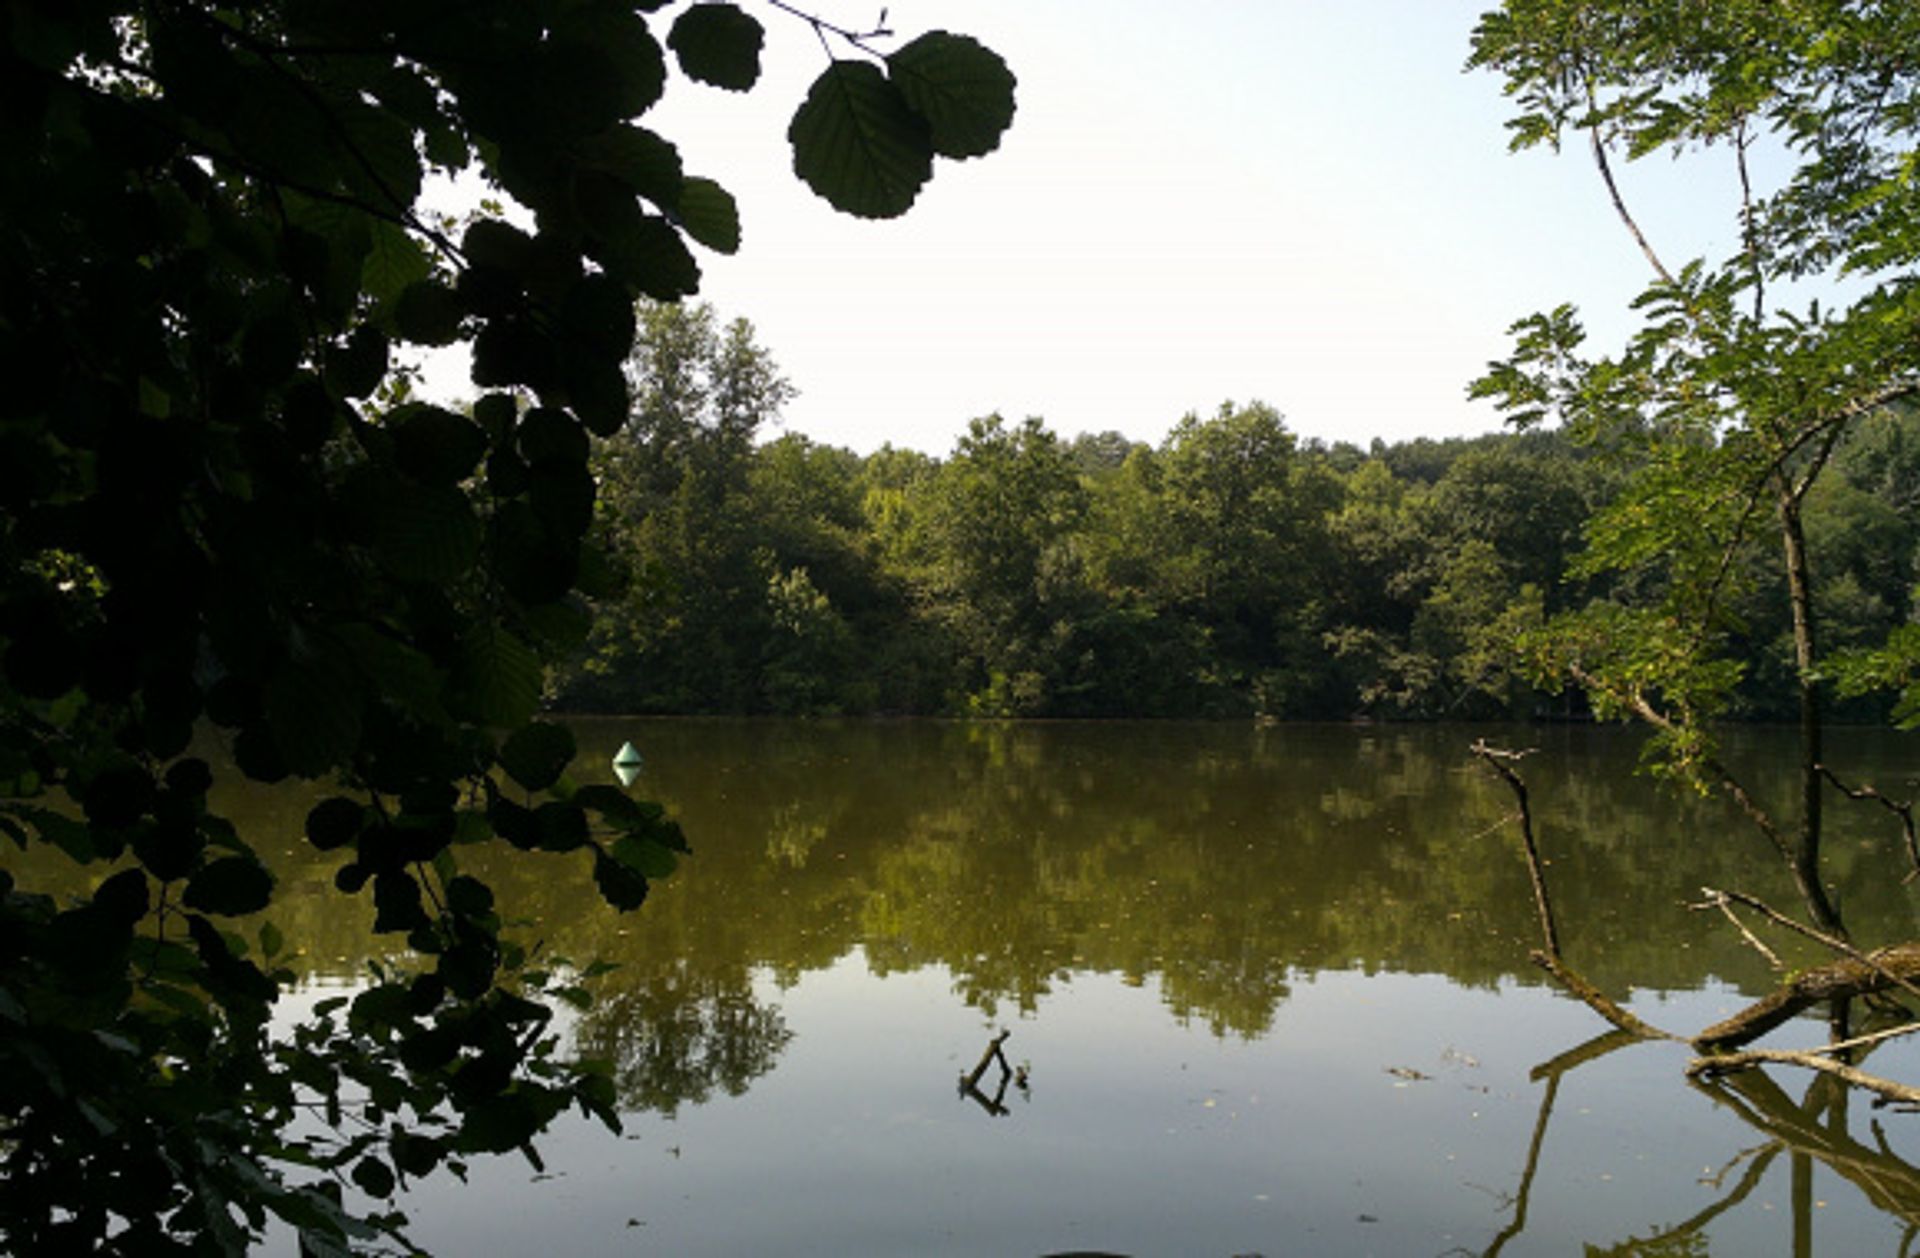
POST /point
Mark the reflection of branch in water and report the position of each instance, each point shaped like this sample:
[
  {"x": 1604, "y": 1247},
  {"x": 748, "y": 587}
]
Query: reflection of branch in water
[
  {"x": 1551, "y": 1070},
  {"x": 1670, "y": 1239},
  {"x": 1663, "y": 1241},
  {"x": 1525, "y": 1192},
  {"x": 970, "y": 1083},
  {"x": 1890, "y": 1182}
]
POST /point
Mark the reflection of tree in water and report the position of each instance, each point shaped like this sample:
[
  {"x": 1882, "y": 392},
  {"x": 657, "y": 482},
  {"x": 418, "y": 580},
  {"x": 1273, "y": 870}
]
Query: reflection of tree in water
[{"x": 679, "y": 1037}]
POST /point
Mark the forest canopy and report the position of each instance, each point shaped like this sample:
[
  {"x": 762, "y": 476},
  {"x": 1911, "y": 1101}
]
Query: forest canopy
[{"x": 1231, "y": 570}]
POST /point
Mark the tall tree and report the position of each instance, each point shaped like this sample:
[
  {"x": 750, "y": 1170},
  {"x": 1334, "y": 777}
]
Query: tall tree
[
  {"x": 216, "y": 504},
  {"x": 996, "y": 517},
  {"x": 685, "y": 632},
  {"x": 1731, "y": 403}
]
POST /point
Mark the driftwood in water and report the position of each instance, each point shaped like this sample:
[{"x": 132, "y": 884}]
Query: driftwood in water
[
  {"x": 1845, "y": 979},
  {"x": 970, "y": 1083}
]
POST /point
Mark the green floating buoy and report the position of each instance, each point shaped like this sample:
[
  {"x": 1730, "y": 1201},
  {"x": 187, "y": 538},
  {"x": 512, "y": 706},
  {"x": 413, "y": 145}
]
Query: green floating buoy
[{"x": 627, "y": 763}]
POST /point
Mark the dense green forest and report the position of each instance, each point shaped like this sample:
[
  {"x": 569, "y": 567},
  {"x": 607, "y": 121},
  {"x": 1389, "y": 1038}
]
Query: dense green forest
[{"x": 1232, "y": 570}]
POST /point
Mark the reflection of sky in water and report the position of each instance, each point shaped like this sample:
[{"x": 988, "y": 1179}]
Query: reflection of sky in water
[
  {"x": 1146, "y": 1136},
  {"x": 1229, "y": 940}
]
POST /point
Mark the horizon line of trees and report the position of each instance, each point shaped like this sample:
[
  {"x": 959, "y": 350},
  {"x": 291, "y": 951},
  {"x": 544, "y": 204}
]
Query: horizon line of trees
[{"x": 1233, "y": 570}]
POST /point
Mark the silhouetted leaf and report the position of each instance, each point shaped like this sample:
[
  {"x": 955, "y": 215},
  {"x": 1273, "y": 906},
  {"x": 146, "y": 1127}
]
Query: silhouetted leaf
[
  {"x": 496, "y": 679},
  {"x": 314, "y": 711},
  {"x": 334, "y": 823},
  {"x": 230, "y": 886},
  {"x": 535, "y": 755},
  {"x": 962, "y": 89},
  {"x": 858, "y": 144},
  {"x": 708, "y": 213},
  {"x": 435, "y": 446},
  {"x": 718, "y": 44},
  {"x": 428, "y": 313},
  {"x": 642, "y": 160},
  {"x": 644, "y": 856},
  {"x": 620, "y": 885}
]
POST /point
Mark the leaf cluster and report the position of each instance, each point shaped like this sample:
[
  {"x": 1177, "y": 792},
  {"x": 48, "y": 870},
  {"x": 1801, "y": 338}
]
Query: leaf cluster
[{"x": 223, "y": 514}]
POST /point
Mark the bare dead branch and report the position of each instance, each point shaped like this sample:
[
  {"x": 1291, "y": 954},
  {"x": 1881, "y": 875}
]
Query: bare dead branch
[
  {"x": 1599, "y": 1001},
  {"x": 1902, "y": 809},
  {"x": 1753, "y": 940},
  {"x": 1725, "y": 1063},
  {"x": 1501, "y": 761}
]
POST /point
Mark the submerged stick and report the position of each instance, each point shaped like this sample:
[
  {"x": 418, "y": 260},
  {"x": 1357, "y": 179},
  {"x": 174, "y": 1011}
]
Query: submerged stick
[
  {"x": 1498, "y": 759},
  {"x": 1548, "y": 958}
]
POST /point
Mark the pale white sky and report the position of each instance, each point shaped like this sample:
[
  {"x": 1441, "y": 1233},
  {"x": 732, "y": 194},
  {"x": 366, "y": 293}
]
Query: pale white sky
[{"x": 1305, "y": 202}]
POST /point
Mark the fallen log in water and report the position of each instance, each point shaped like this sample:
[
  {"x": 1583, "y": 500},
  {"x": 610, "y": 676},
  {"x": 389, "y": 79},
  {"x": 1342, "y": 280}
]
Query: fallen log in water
[{"x": 1845, "y": 979}]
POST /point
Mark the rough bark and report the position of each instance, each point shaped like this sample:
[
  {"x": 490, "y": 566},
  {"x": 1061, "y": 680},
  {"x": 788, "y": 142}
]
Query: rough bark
[{"x": 1845, "y": 979}]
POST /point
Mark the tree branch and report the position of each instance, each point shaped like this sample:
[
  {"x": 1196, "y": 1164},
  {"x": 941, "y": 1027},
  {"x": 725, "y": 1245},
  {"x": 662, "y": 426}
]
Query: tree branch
[
  {"x": 1501, "y": 762},
  {"x": 1620, "y": 205},
  {"x": 1902, "y": 809}
]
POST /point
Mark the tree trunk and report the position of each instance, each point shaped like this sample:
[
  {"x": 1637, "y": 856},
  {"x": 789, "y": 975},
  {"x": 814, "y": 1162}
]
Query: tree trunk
[
  {"x": 1805, "y": 858},
  {"x": 1841, "y": 980}
]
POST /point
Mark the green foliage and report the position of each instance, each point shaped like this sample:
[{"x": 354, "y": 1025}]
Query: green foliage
[
  {"x": 1729, "y": 407},
  {"x": 221, "y": 510},
  {"x": 865, "y": 137}
]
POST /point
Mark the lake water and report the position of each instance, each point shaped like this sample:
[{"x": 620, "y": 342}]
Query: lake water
[{"x": 1267, "y": 989}]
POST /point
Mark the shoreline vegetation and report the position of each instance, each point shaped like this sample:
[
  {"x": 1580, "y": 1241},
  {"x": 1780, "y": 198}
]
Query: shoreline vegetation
[{"x": 1232, "y": 571}]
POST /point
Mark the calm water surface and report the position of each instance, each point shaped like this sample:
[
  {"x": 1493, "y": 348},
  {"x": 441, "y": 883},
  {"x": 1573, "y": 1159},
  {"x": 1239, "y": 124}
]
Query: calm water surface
[{"x": 1269, "y": 989}]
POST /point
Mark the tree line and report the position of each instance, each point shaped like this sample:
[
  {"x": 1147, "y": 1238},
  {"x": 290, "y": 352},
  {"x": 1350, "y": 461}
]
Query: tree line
[{"x": 1234, "y": 569}]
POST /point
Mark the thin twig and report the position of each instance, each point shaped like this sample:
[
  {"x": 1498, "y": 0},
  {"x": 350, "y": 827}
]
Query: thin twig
[
  {"x": 1818, "y": 936},
  {"x": 1750, "y": 239},
  {"x": 1902, "y": 809},
  {"x": 822, "y": 28},
  {"x": 1872, "y": 1037},
  {"x": 1620, "y": 205},
  {"x": 1720, "y": 902}
]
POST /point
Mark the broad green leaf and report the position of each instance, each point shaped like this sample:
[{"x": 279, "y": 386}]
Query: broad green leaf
[
  {"x": 708, "y": 213},
  {"x": 422, "y": 533},
  {"x": 857, "y": 142},
  {"x": 644, "y": 856},
  {"x": 637, "y": 157},
  {"x": 718, "y": 44},
  {"x": 435, "y": 446},
  {"x": 399, "y": 675},
  {"x": 394, "y": 261},
  {"x": 381, "y": 165},
  {"x": 962, "y": 88},
  {"x": 496, "y": 678},
  {"x": 535, "y": 755}
]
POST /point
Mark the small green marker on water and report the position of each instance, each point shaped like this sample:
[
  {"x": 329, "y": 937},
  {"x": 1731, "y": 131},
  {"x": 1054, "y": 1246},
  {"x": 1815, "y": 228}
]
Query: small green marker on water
[{"x": 627, "y": 763}]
